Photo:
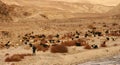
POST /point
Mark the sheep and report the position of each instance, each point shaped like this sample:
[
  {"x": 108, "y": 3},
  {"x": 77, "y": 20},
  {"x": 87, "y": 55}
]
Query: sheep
[
  {"x": 107, "y": 32},
  {"x": 76, "y": 36},
  {"x": 43, "y": 41},
  {"x": 58, "y": 41},
  {"x": 52, "y": 41},
  {"x": 94, "y": 46},
  {"x": 57, "y": 35},
  {"x": 32, "y": 37},
  {"x": 114, "y": 33},
  {"x": 42, "y": 36},
  {"x": 103, "y": 44},
  {"x": 7, "y": 45},
  {"x": 107, "y": 38},
  {"x": 77, "y": 33},
  {"x": 26, "y": 42},
  {"x": 86, "y": 35},
  {"x": 98, "y": 33},
  {"x": 82, "y": 42},
  {"x": 113, "y": 39},
  {"x": 78, "y": 44},
  {"x": 30, "y": 45}
]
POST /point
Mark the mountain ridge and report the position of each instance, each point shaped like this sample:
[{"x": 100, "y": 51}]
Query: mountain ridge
[{"x": 47, "y": 10}]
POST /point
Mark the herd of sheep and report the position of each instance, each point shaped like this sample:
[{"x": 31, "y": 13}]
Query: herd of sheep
[{"x": 57, "y": 43}]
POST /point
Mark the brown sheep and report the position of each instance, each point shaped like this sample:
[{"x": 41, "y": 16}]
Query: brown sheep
[
  {"x": 103, "y": 44},
  {"x": 83, "y": 42},
  {"x": 43, "y": 41}
]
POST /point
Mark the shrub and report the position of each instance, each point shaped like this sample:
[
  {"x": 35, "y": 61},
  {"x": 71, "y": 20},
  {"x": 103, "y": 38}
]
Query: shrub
[
  {"x": 26, "y": 14},
  {"x": 41, "y": 47},
  {"x": 59, "y": 49},
  {"x": 115, "y": 45},
  {"x": 49, "y": 36},
  {"x": 69, "y": 43},
  {"x": 16, "y": 57},
  {"x": 114, "y": 24},
  {"x": 12, "y": 64},
  {"x": 2, "y": 46},
  {"x": 91, "y": 27},
  {"x": 87, "y": 46},
  {"x": 7, "y": 54}
]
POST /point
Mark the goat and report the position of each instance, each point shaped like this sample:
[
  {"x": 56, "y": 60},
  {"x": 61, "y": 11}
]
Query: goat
[{"x": 94, "y": 46}]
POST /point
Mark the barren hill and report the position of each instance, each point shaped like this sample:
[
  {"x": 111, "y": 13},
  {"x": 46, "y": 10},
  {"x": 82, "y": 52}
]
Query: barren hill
[
  {"x": 4, "y": 12},
  {"x": 103, "y": 2},
  {"x": 49, "y": 5},
  {"x": 48, "y": 9},
  {"x": 13, "y": 12},
  {"x": 115, "y": 12}
]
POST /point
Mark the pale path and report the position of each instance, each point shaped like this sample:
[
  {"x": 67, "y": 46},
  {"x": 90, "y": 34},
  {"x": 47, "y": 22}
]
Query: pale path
[{"x": 105, "y": 61}]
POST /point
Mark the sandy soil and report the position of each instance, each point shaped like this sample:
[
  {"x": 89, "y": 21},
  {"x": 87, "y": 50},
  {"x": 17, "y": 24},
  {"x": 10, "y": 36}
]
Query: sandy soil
[
  {"x": 105, "y": 61},
  {"x": 46, "y": 20},
  {"x": 48, "y": 58},
  {"x": 76, "y": 55}
]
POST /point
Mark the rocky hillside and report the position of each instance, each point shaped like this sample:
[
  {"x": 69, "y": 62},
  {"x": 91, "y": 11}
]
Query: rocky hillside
[
  {"x": 115, "y": 12},
  {"x": 49, "y": 5},
  {"x": 48, "y": 9},
  {"x": 5, "y": 12},
  {"x": 13, "y": 12}
]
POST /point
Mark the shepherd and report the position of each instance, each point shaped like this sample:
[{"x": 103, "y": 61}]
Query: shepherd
[{"x": 34, "y": 50}]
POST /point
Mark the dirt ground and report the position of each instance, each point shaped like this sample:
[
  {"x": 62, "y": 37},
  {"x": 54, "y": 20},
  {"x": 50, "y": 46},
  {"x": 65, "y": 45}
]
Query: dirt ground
[
  {"x": 76, "y": 55},
  {"x": 23, "y": 18}
]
